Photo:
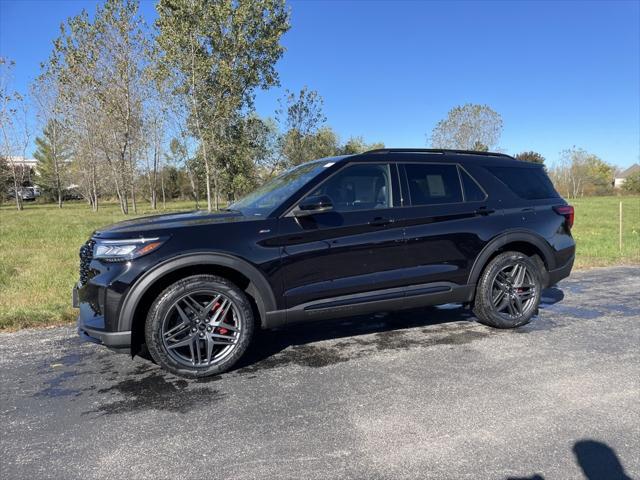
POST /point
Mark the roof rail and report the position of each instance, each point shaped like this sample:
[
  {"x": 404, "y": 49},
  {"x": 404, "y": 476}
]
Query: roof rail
[{"x": 441, "y": 151}]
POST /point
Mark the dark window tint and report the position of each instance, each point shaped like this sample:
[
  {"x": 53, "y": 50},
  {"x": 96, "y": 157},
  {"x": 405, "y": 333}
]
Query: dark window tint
[
  {"x": 472, "y": 191},
  {"x": 358, "y": 187},
  {"x": 431, "y": 184},
  {"x": 529, "y": 183}
]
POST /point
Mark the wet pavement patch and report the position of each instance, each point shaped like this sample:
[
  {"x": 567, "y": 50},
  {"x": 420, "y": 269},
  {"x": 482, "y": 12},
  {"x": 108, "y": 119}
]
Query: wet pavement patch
[
  {"x": 154, "y": 391},
  {"x": 54, "y": 386},
  {"x": 302, "y": 355}
]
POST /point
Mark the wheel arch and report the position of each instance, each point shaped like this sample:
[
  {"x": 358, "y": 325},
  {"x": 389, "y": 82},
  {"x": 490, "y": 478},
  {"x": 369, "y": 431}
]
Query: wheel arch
[
  {"x": 146, "y": 289},
  {"x": 524, "y": 241}
]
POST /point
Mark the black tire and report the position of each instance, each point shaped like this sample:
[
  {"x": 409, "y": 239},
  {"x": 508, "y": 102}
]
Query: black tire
[
  {"x": 491, "y": 290},
  {"x": 164, "y": 310}
]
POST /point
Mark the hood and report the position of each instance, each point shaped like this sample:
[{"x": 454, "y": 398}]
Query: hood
[{"x": 140, "y": 227}]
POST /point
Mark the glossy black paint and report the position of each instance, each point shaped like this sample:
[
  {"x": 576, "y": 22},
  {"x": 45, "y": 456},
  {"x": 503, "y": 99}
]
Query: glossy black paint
[{"x": 374, "y": 258}]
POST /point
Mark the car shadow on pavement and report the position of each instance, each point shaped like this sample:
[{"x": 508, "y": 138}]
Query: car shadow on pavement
[
  {"x": 302, "y": 344},
  {"x": 597, "y": 460}
]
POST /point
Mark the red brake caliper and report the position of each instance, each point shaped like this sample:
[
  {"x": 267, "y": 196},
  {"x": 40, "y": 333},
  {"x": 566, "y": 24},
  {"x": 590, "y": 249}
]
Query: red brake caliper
[{"x": 221, "y": 330}]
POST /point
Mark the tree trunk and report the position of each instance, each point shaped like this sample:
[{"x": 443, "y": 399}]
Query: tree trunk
[
  {"x": 15, "y": 190},
  {"x": 94, "y": 189},
  {"x": 56, "y": 167},
  {"x": 132, "y": 184},
  {"x": 164, "y": 198},
  {"x": 154, "y": 178},
  {"x": 203, "y": 143},
  {"x": 133, "y": 197},
  {"x": 122, "y": 199}
]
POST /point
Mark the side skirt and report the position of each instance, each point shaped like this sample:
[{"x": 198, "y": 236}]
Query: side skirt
[{"x": 370, "y": 302}]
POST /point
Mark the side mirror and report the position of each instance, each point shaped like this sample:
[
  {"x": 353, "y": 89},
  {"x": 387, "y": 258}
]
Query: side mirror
[{"x": 313, "y": 205}]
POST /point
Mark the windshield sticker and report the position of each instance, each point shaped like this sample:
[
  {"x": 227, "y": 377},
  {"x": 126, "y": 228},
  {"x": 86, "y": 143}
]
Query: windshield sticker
[{"x": 327, "y": 165}]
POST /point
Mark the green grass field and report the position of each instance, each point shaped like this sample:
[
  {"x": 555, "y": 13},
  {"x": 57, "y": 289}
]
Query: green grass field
[{"x": 39, "y": 251}]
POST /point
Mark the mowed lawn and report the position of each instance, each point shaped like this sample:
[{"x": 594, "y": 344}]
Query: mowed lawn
[
  {"x": 39, "y": 250},
  {"x": 39, "y": 257}
]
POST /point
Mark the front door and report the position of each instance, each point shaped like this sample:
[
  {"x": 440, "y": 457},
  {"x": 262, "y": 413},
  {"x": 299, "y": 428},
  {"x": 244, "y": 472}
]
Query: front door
[{"x": 343, "y": 251}]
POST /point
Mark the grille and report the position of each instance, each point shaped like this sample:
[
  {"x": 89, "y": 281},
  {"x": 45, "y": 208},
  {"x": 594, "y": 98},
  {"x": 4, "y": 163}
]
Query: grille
[{"x": 86, "y": 254}]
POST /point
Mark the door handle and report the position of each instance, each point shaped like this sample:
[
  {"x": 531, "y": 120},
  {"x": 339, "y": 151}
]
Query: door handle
[
  {"x": 380, "y": 222},
  {"x": 484, "y": 211}
]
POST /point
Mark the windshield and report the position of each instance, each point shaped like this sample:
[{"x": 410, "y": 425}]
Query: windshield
[{"x": 264, "y": 200}]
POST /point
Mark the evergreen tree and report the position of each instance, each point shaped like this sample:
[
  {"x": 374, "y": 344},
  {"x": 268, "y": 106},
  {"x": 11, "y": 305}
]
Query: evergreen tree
[{"x": 53, "y": 153}]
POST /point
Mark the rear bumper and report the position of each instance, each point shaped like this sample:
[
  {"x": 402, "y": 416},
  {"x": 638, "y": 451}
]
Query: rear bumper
[{"x": 559, "y": 273}]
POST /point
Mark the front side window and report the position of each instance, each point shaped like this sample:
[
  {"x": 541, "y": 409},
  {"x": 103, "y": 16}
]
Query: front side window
[
  {"x": 358, "y": 187},
  {"x": 431, "y": 184}
]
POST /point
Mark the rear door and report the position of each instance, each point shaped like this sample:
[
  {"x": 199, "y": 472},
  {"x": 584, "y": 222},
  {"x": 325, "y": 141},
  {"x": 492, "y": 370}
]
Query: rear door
[
  {"x": 343, "y": 251},
  {"x": 445, "y": 218}
]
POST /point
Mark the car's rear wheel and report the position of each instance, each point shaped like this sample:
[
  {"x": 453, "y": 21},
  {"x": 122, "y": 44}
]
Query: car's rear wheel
[
  {"x": 508, "y": 292},
  {"x": 199, "y": 326}
]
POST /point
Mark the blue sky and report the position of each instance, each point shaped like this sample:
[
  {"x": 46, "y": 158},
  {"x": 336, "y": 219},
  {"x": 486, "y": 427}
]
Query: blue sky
[{"x": 560, "y": 73}]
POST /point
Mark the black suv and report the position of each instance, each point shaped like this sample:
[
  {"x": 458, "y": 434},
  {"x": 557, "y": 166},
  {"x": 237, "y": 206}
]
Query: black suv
[{"x": 380, "y": 231}]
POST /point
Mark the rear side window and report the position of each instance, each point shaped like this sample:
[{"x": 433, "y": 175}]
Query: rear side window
[
  {"x": 529, "y": 183},
  {"x": 432, "y": 183}
]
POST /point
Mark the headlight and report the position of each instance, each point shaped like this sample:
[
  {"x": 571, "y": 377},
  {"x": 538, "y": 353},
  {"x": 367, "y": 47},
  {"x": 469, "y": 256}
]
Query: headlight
[{"x": 123, "y": 250}]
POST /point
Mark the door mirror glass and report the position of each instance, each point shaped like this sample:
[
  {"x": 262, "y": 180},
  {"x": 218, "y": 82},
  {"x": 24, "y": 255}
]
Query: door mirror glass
[{"x": 313, "y": 204}]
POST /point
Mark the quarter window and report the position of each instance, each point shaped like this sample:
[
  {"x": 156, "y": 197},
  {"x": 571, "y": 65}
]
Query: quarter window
[
  {"x": 472, "y": 191},
  {"x": 531, "y": 183},
  {"x": 433, "y": 183},
  {"x": 358, "y": 187}
]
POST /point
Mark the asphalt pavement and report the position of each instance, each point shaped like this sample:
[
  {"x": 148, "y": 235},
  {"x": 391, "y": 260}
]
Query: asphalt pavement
[{"x": 421, "y": 394}]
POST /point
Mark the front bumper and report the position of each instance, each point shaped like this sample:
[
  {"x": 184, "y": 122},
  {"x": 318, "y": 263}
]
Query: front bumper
[
  {"x": 116, "y": 340},
  {"x": 91, "y": 327}
]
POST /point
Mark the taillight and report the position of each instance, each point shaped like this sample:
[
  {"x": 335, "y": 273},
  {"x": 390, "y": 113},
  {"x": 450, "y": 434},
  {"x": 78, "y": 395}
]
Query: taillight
[{"x": 567, "y": 212}]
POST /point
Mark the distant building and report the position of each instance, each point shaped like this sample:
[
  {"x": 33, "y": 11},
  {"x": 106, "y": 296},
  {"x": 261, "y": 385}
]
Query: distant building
[
  {"x": 30, "y": 163},
  {"x": 621, "y": 177}
]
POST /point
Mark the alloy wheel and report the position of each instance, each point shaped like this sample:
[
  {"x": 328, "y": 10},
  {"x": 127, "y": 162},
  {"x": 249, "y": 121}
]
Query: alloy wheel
[
  {"x": 201, "y": 329},
  {"x": 513, "y": 291}
]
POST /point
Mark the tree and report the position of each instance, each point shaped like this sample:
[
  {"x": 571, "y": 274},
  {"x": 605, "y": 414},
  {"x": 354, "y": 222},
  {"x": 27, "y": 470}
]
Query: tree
[
  {"x": 468, "y": 127},
  {"x": 580, "y": 173},
  {"x": 531, "y": 157},
  {"x": 53, "y": 153},
  {"x": 54, "y": 147},
  {"x": 632, "y": 183},
  {"x": 14, "y": 129},
  {"x": 303, "y": 118},
  {"x": 220, "y": 51},
  {"x": 178, "y": 155},
  {"x": 70, "y": 70},
  {"x": 325, "y": 143},
  {"x": 357, "y": 145},
  {"x": 5, "y": 177},
  {"x": 99, "y": 67}
]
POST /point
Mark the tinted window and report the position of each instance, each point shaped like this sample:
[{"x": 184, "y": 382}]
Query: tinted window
[
  {"x": 430, "y": 184},
  {"x": 358, "y": 187},
  {"x": 529, "y": 183},
  {"x": 472, "y": 191}
]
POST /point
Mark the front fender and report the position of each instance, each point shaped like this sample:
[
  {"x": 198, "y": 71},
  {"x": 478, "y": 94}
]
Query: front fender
[{"x": 258, "y": 288}]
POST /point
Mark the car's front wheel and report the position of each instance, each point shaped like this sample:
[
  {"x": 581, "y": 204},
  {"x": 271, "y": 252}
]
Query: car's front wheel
[
  {"x": 508, "y": 292},
  {"x": 199, "y": 326}
]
